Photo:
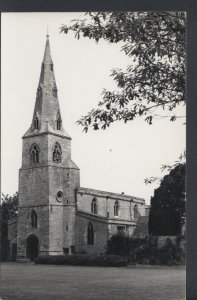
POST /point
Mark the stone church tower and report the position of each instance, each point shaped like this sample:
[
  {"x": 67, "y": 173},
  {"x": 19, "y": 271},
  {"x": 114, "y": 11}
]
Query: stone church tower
[{"x": 48, "y": 178}]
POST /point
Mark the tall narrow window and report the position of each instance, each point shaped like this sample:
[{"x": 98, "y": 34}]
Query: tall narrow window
[
  {"x": 34, "y": 219},
  {"x": 57, "y": 153},
  {"x": 94, "y": 206},
  {"x": 51, "y": 66},
  {"x": 90, "y": 236},
  {"x": 116, "y": 209},
  {"x": 34, "y": 155},
  {"x": 36, "y": 123},
  {"x": 136, "y": 211},
  {"x": 58, "y": 122}
]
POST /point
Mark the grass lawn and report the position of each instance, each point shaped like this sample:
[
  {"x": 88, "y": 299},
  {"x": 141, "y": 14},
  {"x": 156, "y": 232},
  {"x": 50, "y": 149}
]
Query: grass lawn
[{"x": 46, "y": 282}]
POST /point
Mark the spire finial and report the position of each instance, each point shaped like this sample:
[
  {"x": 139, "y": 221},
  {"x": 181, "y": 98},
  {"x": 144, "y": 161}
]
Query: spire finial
[{"x": 47, "y": 32}]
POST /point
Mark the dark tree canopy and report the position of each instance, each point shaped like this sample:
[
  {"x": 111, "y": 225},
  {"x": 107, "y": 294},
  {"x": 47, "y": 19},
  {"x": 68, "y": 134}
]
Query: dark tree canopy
[
  {"x": 9, "y": 206},
  {"x": 8, "y": 212},
  {"x": 167, "y": 213},
  {"x": 154, "y": 80}
]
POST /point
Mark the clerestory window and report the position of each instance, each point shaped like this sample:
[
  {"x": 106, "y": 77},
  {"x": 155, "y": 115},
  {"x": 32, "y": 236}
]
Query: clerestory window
[
  {"x": 94, "y": 206},
  {"x": 116, "y": 209},
  {"x": 136, "y": 211}
]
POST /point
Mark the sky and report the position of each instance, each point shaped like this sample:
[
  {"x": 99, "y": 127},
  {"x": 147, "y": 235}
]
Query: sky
[{"x": 115, "y": 160}]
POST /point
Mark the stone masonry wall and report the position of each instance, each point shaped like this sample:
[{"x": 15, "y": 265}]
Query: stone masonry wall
[
  {"x": 25, "y": 229},
  {"x": 100, "y": 234},
  {"x": 106, "y": 202},
  {"x": 38, "y": 188}
]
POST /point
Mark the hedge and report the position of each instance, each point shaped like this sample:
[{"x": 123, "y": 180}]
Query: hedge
[
  {"x": 83, "y": 260},
  {"x": 146, "y": 250}
]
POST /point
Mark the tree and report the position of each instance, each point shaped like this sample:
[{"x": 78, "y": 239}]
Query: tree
[
  {"x": 9, "y": 206},
  {"x": 155, "y": 79},
  {"x": 167, "y": 213},
  {"x": 8, "y": 212}
]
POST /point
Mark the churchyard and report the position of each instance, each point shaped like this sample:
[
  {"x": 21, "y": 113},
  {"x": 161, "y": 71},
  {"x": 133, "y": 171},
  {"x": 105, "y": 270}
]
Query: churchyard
[{"x": 22, "y": 281}]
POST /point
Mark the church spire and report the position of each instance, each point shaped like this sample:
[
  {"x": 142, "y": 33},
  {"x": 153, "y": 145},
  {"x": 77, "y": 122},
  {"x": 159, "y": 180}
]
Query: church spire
[
  {"x": 47, "y": 115},
  {"x": 47, "y": 52}
]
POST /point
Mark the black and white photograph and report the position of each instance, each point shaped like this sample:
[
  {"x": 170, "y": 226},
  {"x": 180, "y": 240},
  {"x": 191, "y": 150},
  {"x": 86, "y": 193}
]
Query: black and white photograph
[{"x": 93, "y": 155}]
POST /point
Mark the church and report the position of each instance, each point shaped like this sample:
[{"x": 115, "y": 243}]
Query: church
[{"x": 55, "y": 214}]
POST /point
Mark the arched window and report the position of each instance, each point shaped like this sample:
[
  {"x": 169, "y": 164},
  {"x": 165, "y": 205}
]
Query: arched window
[
  {"x": 34, "y": 219},
  {"x": 90, "y": 237},
  {"x": 94, "y": 206},
  {"x": 58, "y": 122},
  {"x": 57, "y": 153},
  {"x": 136, "y": 211},
  {"x": 34, "y": 155},
  {"x": 116, "y": 209},
  {"x": 36, "y": 123}
]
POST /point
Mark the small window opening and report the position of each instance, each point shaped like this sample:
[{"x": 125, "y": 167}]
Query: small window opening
[
  {"x": 54, "y": 91},
  {"x": 120, "y": 229},
  {"x": 39, "y": 91},
  {"x": 58, "y": 123},
  {"x": 36, "y": 123},
  {"x": 136, "y": 211},
  {"x": 57, "y": 153},
  {"x": 90, "y": 237},
  {"x": 51, "y": 66},
  {"x": 66, "y": 251},
  {"x": 34, "y": 219},
  {"x": 59, "y": 196},
  {"x": 116, "y": 209},
  {"x": 94, "y": 206},
  {"x": 72, "y": 248}
]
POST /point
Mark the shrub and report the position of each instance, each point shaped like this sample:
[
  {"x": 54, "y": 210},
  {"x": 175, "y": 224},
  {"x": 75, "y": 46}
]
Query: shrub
[
  {"x": 82, "y": 251},
  {"x": 83, "y": 260},
  {"x": 147, "y": 251},
  {"x": 119, "y": 244}
]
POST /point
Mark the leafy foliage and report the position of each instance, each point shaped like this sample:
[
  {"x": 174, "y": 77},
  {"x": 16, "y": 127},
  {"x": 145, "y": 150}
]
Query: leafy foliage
[
  {"x": 167, "y": 213},
  {"x": 147, "y": 250},
  {"x": 119, "y": 244},
  {"x": 82, "y": 260},
  {"x": 181, "y": 160},
  {"x": 155, "y": 79},
  {"x": 8, "y": 211},
  {"x": 9, "y": 206}
]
